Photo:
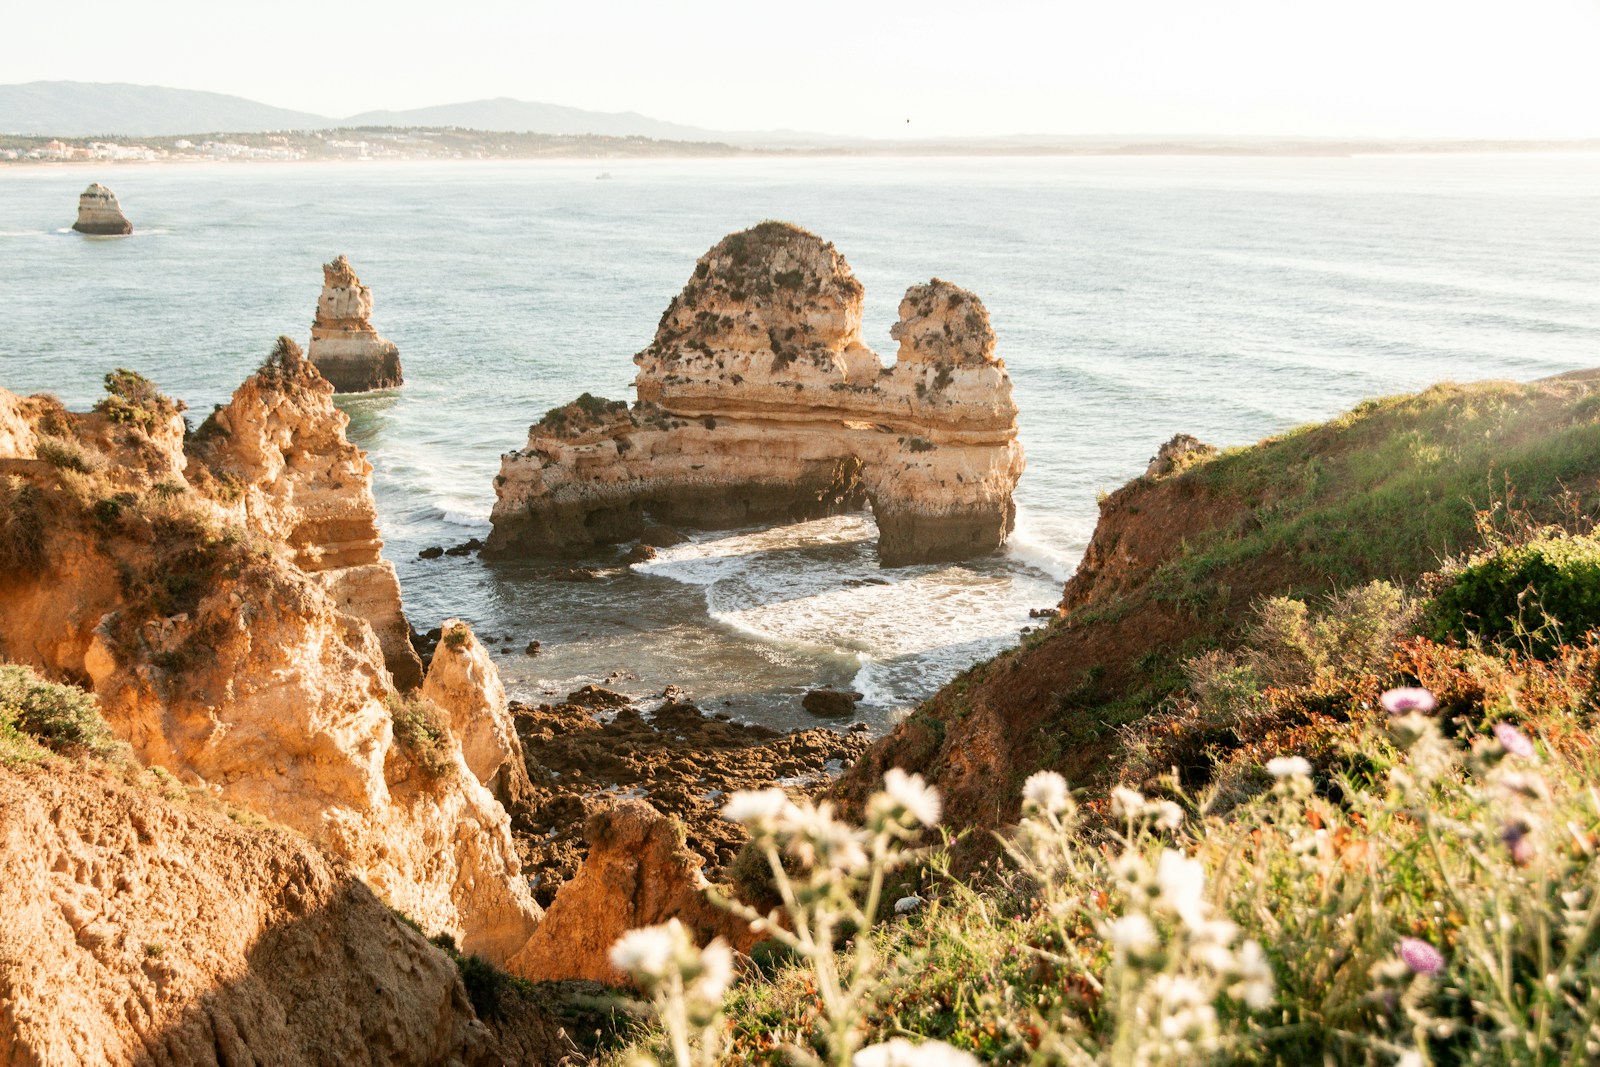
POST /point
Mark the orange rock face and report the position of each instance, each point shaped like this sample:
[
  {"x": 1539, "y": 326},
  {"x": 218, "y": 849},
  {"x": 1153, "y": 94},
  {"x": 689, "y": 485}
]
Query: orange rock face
[
  {"x": 344, "y": 345},
  {"x": 227, "y": 605},
  {"x": 637, "y": 873},
  {"x": 758, "y": 401},
  {"x": 143, "y": 931}
]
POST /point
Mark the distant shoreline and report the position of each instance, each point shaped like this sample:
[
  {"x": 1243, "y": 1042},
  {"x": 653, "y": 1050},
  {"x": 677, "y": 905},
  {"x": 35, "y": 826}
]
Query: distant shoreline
[{"x": 453, "y": 144}]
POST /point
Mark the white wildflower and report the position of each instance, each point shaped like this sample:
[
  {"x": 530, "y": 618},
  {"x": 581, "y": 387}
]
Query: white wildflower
[
  {"x": 910, "y": 794},
  {"x": 716, "y": 973},
  {"x": 1182, "y": 882},
  {"x": 1047, "y": 792},
  {"x": 898, "y": 1052},
  {"x": 648, "y": 952},
  {"x": 1129, "y": 803},
  {"x": 1133, "y": 933},
  {"x": 1254, "y": 986},
  {"x": 906, "y": 905},
  {"x": 756, "y": 807},
  {"x": 1288, "y": 767},
  {"x": 819, "y": 841},
  {"x": 1168, "y": 815}
]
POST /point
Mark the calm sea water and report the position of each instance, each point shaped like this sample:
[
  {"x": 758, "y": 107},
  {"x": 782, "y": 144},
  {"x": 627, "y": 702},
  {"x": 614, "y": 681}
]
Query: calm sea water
[{"x": 1133, "y": 298}]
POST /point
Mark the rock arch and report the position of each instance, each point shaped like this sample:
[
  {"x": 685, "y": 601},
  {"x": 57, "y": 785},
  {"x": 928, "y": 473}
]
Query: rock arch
[{"x": 759, "y": 402}]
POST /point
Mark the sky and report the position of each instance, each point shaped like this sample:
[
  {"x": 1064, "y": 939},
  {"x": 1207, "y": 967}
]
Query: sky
[{"x": 938, "y": 68}]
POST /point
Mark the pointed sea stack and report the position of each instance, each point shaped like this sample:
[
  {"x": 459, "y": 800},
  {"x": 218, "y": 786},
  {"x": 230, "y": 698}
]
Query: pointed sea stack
[
  {"x": 758, "y": 402},
  {"x": 344, "y": 346},
  {"x": 99, "y": 214}
]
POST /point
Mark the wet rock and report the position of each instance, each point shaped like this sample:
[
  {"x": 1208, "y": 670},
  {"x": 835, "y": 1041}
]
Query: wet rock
[
  {"x": 532, "y": 648},
  {"x": 432, "y": 552},
  {"x": 639, "y": 554},
  {"x": 593, "y": 696},
  {"x": 661, "y": 537},
  {"x": 465, "y": 548},
  {"x": 574, "y": 574},
  {"x": 1043, "y": 613},
  {"x": 830, "y": 703}
]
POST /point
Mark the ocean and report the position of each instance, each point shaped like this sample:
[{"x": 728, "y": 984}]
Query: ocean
[{"x": 1133, "y": 298}]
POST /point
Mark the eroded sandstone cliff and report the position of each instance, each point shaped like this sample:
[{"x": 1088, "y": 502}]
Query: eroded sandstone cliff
[
  {"x": 144, "y": 929},
  {"x": 758, "y": 401},
  {"x": 99, "y": 214},
  {"x": 221, "y": 602},
  {"x": 344, "y": 345}
]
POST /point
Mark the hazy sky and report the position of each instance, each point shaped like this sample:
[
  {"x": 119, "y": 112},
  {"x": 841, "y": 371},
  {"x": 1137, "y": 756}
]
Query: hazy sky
[{"x": 1527, "y": 68}]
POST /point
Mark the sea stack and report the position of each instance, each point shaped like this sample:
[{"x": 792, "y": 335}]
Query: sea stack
[
  {"x": 100, "y": 215},
  {"x": 758, "y": 402},
  {"x": 344, "y": 346}
]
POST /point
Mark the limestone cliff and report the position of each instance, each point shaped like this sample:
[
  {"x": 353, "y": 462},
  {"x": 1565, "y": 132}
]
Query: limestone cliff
[
  {"x": 463, "y": 680},
  {"x": 344, "y": 346},
  {"x": 280, "y": 444},
  {"x": 99, "y": 214},
  {"x": 199, "y": 594},
  {"x": 638, "y": 873},
  {"x": 758, "y": 401},
  {"x": 144, "y": 929}
]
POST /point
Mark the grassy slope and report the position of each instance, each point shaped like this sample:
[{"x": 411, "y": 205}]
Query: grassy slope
[{"x": 1388, "y": 490}]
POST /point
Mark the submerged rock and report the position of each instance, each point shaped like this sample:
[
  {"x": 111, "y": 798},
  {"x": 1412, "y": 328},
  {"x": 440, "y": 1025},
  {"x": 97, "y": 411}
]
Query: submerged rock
[
  {"x": 758, "y": 402},
  {"x": 830, "y": 703},
  {"x": 344, "y": 346},
  {"x": 100, "y": 215}
]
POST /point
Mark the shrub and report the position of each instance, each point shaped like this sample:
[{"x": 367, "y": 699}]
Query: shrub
[
  {"x": 457, "y": 637},
  {"x": 423, "y": 730},
  {"x": 1534, "y": 595},
  {"x": 66, "y": 454},
  {"x": 21, "y": 526},
  {"x": 133, "y": 399},
  {"x": 62, "y": 718}
]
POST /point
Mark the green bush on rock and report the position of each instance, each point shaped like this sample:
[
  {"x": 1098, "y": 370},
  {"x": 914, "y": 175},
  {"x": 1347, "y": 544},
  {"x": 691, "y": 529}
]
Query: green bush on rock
[{"x": 1535, "y": 596}]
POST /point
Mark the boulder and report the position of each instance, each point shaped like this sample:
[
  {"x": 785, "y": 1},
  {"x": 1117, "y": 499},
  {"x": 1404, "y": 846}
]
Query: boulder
[{"x": 830, "y": 703}]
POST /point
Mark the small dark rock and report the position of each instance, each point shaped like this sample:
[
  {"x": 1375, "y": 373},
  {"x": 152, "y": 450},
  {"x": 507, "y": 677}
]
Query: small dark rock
[
  {"x": 433, "y": 552},
  {"x": 858, "y": 728},
  {"x": 464, "y": 548},
  {"x": 1042, "y": 613},
  {"x": 574, "y": 574},
  {"x": 593, "y": 696},
  {"x": 830, "y": 703},
  {"x": 661, "y": 537},
  {"x": 533, "y": 648},
  {"x": 435, "y": 634},
  {"x": 639, "y": 554}
]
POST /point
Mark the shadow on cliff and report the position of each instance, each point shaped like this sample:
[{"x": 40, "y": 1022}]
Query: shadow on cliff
[{"x": 353, "y": 983}]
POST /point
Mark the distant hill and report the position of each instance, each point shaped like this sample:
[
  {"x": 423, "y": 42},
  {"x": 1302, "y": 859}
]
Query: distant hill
[
  {"x": 85, "y": 109},
  {"x": 504, "y": 114}
]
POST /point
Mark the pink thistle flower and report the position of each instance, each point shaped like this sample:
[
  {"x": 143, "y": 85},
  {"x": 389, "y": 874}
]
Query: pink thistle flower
[
  {"x": 1518, "y": 839},
  {"x": 1420, "y": 956},
  {"x": 1513, "y": 740},
  {"x": 1406, "y": 701}
]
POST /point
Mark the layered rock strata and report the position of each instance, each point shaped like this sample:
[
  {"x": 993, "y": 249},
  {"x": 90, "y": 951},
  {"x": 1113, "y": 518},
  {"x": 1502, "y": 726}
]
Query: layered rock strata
[
  {"x": 99, "y": 214},
  {"x": 212, "y": 599},
  {"x": 759, "y": 402},
  {"x": 344, "y": 346}
]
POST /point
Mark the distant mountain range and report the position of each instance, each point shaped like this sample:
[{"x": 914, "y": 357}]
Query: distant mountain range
[{"x": 88, "y": 109}]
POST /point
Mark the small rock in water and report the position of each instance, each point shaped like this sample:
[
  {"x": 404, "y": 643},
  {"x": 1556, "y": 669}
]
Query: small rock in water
[
  {"x": 464, "y": 548},
  {"x": 1042, "y": 613},
  {"x": 858, "y": 728},
  {"x": 594, "y": 696},
  {"x": 533, "y": 648},
  {"x": 99, "y": 214},
  {"x": 639, "y": 554},
  {"x": 661, "y": 537},
  {"x": 574, "y": 574},
  {"x": 433, "y": 552},
  {"x": 830, "y": 703}
]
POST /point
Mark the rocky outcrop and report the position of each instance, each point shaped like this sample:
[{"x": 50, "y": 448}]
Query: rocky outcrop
[
  {"x": 759, "y": 402},
  {"x": 142, "y": 929},
  {"x": 99, "y": 214},
  {"x": 463, "y": 680},
  {"x": 637, "y": 873},
  {"x": 1176, "y": 454},
  {"x": 344, "y": 346},
  {"x": 279, "y": 443},
  {"x": 199, "y": 595}
]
